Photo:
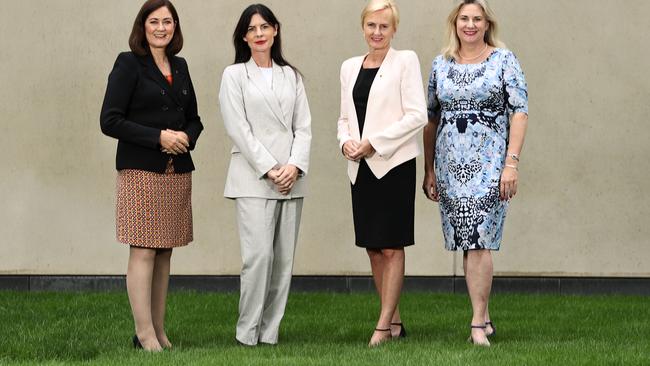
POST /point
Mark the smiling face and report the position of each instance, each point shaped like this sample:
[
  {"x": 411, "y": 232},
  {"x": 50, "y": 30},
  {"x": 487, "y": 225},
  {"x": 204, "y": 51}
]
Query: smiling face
[
  {"x": 378, "y": 29},
  {"x": 159, "y": 28},
  {"x": 471, "y": 24},
  {"x": 260, "y": 35}
]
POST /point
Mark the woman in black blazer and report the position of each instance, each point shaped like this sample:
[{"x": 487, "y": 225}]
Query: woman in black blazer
[{"x": 150, "y": 107}]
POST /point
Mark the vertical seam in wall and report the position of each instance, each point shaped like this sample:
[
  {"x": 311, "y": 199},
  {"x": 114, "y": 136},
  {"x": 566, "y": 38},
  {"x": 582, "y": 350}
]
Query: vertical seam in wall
[{"x": 347, "y": 285}]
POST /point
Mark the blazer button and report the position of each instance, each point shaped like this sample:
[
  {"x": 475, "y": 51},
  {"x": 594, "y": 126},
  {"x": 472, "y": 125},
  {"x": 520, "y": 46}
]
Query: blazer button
[
  {"x": 162, "y": 91},
  {"x": 180, "y": 109},
  {"x": 184, "y": 91},
  {"x": 165, "y": 108}
]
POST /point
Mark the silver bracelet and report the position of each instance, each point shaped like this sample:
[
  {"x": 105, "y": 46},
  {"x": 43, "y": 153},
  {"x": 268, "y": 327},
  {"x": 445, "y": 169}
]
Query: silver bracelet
[
  {"x": 514, "y": 157},
  {"x": 513, "y": 167}
]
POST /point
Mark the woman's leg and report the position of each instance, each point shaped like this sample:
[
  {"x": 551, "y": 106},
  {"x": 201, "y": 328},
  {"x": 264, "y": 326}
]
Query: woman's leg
[
  {"x": 139, "y": 276},
  {"x": 478, "y": 275},
  {"x": 159, "y": 294},
  {"x": 391, "y": 288},
  {"x": 284, "y": 247},
  {"x": 377, "y": 266},
  {"x": 256, "y": 219},
  {"x": 489, "y": 329}
]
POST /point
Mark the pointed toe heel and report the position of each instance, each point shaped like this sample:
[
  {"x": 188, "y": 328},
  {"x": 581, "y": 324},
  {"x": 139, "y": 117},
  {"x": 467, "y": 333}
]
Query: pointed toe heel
[
  {"x": 402, "y": 330},
  {"x": 471, "y": 339},
  {"x": 375, "y": 344},
  {"x": 136, "y": 342},
  {"x": 494, "y": 329}
]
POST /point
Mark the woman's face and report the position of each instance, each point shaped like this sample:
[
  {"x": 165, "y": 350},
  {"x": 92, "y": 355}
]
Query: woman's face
[
  {"x": 378, "y": 29},
  {"x": 471, "y": 24},
  {"x": 159, "y": 28},
  {"x": 260, "y": 34}
]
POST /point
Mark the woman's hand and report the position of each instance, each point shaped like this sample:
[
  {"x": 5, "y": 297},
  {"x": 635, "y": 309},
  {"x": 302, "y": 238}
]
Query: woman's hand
[
  {"x": 429, "y": 186},
  {"x": 174, "y": 142},
  {"x": 284, "y": 178},
  {"x": 363, "y": 150},
  {"x": 350, "y": 147},
  {"x": 508, "y": 184}
]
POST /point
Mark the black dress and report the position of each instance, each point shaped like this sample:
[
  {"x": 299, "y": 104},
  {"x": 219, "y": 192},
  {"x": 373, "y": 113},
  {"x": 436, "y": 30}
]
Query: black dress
[{"x": 383, "y": 209}]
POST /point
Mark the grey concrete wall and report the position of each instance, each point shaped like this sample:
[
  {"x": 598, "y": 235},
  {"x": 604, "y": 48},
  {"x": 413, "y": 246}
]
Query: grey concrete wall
[{"x": 582, "y": 209}]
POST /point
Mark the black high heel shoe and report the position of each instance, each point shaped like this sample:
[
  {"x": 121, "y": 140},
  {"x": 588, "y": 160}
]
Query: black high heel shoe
[
  {"x": 383, "y": 340},
  {"x": 494, "y": 329},
  {"x": 402, "y": 330},
  {"x": 136, "y": 342}
]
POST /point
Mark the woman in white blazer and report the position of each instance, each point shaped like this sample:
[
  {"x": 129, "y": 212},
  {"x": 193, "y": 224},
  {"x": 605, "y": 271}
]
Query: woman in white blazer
[
  {"x": 382, "y": 110},
  {"x": 266, "y": 115}
]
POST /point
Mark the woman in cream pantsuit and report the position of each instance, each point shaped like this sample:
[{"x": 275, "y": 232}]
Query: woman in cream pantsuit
[
  {"x": 266, "y": 115},
  {"x": 382, "y": 110}
]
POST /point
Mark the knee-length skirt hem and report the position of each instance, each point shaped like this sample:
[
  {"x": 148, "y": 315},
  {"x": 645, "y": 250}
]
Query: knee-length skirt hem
[
  {"x": 471, "y": 249},
  {"x": 384, "y": 209},
  {"x": 154, "y": 210}
]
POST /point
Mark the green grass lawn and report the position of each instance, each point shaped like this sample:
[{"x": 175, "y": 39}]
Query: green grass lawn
[{"x": 329, "y": 329}]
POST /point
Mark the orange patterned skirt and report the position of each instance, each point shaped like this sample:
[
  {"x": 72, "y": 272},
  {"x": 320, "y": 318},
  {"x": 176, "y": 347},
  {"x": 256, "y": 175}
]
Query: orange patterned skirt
[{"x": 154, "y": 210}]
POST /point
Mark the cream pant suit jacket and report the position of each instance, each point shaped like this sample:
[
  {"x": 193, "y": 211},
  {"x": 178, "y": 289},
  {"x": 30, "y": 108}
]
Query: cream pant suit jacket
[{"x": 269, "y": 127}]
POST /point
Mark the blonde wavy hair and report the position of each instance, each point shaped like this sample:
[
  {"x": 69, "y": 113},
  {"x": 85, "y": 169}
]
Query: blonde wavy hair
[
  {"x": 453, "y": 43},
  {"x": 376, "y": 5}
]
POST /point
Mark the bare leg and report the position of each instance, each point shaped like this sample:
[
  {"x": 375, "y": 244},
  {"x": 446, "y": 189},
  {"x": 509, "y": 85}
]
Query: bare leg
[
  {"x": 138, "y": 284},
  {"x": 377, "y": 265},
  {"x": 159, "y": 294},
  {"x": 488, "y": 330},
  {"x": 478, "y": 275},
  {"x": 392, "y": 278}
]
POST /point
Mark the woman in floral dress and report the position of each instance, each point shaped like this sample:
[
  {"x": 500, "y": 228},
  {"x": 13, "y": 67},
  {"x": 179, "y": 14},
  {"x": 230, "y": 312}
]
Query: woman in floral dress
[{"x": 478, "y": 113}]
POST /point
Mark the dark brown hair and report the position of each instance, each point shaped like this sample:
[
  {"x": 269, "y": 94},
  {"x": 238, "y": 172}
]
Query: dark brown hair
[
  {"x": 138, "y": 39},
  {"x": 243, "y": 50}
]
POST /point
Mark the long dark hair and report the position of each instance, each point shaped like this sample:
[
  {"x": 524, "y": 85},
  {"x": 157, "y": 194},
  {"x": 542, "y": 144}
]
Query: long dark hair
[
  {"x": 242, "y": 50},
  {"x": 138, "y": 41}
]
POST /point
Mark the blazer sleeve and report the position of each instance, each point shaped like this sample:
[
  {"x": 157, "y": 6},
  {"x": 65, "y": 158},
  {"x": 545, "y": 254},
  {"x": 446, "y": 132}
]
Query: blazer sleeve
[
  {"x": 301, "y": 126},
  {"x": 414, "y": 105},
  {"x": 122, "y": 82},
  {"x": 231, "y": 100},
  {"x": 193, "y": 125},
  {"x": 343, "y": 125}
]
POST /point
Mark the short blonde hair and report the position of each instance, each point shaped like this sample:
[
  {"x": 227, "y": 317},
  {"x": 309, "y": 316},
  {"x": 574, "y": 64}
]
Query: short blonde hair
[
  {"x": 376, "y": 5},
  {"x": 453, "y": 43}
]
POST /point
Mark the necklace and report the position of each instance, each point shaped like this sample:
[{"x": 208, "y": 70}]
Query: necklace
[{"x": 473, "y": 58}]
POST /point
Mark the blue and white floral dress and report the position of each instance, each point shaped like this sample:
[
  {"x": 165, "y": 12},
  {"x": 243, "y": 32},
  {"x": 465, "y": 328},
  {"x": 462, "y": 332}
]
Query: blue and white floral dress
[{"x": 473, "y": 103}]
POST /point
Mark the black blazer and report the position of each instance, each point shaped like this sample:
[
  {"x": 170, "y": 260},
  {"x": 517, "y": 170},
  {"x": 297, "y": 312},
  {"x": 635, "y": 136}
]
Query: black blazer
[{"x": 139, "y": 103}]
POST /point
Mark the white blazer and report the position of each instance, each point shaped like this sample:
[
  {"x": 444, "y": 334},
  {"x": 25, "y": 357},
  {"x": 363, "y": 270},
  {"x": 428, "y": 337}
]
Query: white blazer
[
  {"x": 269, "y": 127},
  {"x": 395, "y": 113}
]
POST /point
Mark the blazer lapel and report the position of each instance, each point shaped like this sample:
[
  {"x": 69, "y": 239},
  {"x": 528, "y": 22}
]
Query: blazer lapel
[
  {"x": 376, "y": 84},
  {"x": 256, "y": 77},
  {"x": 355, "y": 69},
  {"x": 155, "y": 74},
  {"x": 178, "y": 82},
  {"x": 282, "y": 86}
]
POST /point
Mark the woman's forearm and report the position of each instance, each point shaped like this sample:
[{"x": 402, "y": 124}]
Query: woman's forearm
[{"x": 429, "y": 139}]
